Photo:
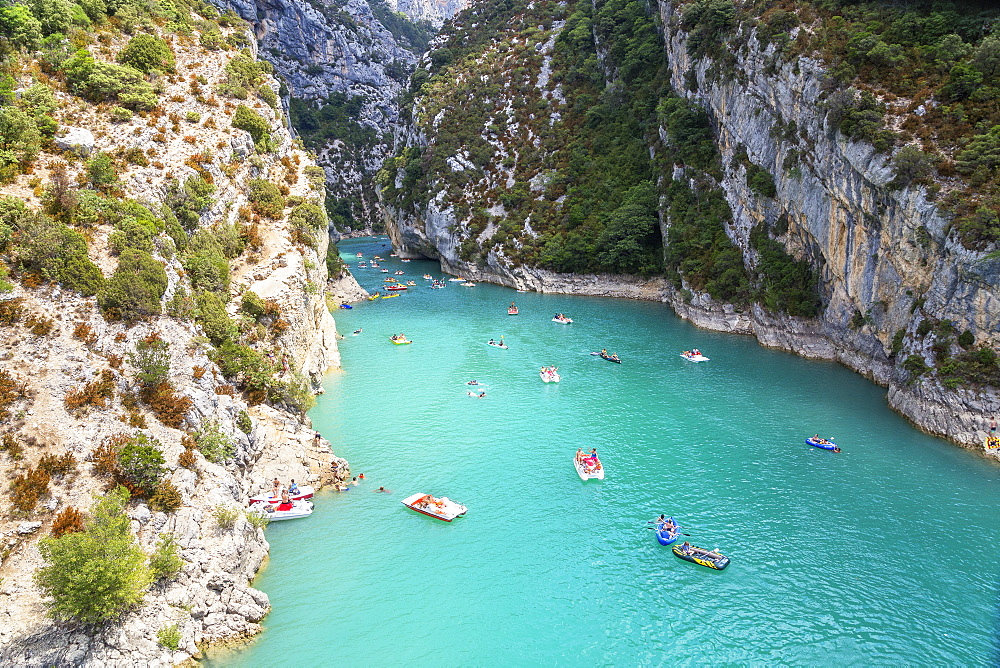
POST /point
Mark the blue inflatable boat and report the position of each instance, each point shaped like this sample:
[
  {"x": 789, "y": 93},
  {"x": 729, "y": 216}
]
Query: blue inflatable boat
[
  {"x": 667, "y": 536},
  {"x": 823, "y": 443}
]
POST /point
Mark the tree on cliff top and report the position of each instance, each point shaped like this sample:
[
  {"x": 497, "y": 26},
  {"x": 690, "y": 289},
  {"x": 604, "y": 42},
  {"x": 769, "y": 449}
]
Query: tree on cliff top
[{"x": 95, "y": 574}]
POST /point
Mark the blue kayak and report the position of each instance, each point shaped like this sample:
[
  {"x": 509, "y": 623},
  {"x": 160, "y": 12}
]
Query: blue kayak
[
  {"x": 822, "y": 443},
  {"x": 666, "y": 536}
]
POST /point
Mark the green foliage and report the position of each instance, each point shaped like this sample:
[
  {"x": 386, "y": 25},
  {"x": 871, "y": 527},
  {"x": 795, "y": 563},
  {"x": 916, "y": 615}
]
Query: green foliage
[
  {"x": 134, "y": 291},
  {"x": 267, "y": 94},
  {"x": 165, "y": 562},
  {"x": 248, "y": 369},
  {"x": 98, "y": 81},
  {"x": 911, "y": 166},
  {"x": 334, "y": 265},
  {"x": 206, "y": 264},
  {"x": 860, "y": 117},
  {"x": 916, "y": 366},
  {"x": 19, "y": 27},
  {"x": 140, "y": 464},
  {"x": 169, "y": 637},
  {"x": 786, "y": 284},
  {"x": 20, "y": 140},
  {"x": 319, "y": 124},
  {"x": 94, "y": 575},
  {"x": 132, "y": 233},
  {"x": 691, "y": 136},
  {"x": 417, "y": 33},
  {"x": 978, "y": 367},
  {"x": 147, "y": 53},
  {"x": 187, "y": 201},
  {"x": 101, "y": 170},
  {"x": 265, "y": 198},
  {"x": 56, "y": 253},
  {"x": 247, "y": 119},
  {"x": 897, "y": 341},
  {"x": 55, "y": 16},
  {"x": 966, "y": 339},
  {"x": 243, "y": 422},
  {"x": 211, "y": 315},
  {"x": 630, "y": 239},
  {"x": 151, "y": 359},
  {"x": 707, "y": 22},
  {"x": 252, "y": 305},
  {"x": 226, "y": 516},
  {"x": 760, "y": 181},
  {"x": 214, "y": 443},
  {"x": 243, "y": 74}
]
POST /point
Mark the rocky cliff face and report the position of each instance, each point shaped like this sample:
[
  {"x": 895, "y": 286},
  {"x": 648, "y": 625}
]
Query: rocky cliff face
[
  {"x": 355, "y": 48},
  {"x": 884, "y": 255},
  {"x": 211, "y": 600}
]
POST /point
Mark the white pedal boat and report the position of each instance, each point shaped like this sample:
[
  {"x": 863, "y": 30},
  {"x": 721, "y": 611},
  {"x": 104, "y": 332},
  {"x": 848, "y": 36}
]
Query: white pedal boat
[
  {"x": 694, "y": 356},
  {"x": 305, "y": 491},
  {"x": 442, "y": 509},
  {"x": 589, "y": 472},
  {"x": 284, "y": 511},
  {"x": 564, "y": 320},
  {"x": 549, "y": 377}
]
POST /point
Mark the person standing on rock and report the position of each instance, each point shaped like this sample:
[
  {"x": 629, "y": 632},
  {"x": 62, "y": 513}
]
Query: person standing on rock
[
  {"x": 277, "y": 487},
  {"x": 993, "y": 426}
]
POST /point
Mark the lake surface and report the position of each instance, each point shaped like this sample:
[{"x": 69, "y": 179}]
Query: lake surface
[{"x": 882, "y": 554}]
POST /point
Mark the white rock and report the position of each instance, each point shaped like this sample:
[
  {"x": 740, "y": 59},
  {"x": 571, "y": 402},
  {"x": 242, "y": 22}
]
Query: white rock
[
  {"x": 80, "y": 140},
  {"x": 25, "y": 528}
]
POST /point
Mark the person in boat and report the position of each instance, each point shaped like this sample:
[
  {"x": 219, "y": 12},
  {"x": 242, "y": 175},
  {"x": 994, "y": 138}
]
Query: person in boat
[
  {"x": 473, "y": 382},
  {"x": 357, "y": 331},
  {"x": 482, "y": 394},
  {"x": 686, "y": 548},
  {"x": 284, "y": 496},
  {"x": 604, "y": 352},
  {"x": 579, "y": 456},
  {"x": 512, "y": 305},
  {"x": 276, "y": 487},
  {"x": 293, "y": 488},
  {"x": 491, "y": 342},
  {"x": 836, "y": 448}
]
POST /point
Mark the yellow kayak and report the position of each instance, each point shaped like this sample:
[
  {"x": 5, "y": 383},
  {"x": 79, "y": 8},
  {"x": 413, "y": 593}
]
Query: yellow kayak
[
  {"x": 389, "y": 296},
  {"x": 399, "y": 342},
  {"x": 373, "y": 297}
]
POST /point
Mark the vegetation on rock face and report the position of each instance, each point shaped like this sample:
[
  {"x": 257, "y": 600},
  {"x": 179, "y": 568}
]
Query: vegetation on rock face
[{"x": 95, "y": 574}]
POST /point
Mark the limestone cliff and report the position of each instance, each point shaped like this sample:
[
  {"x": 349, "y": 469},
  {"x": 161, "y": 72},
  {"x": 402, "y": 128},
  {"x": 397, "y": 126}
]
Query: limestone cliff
[
  {"x": 59, "y": 342},
  {"x": 359, "y": 50},
  {"x": 885, "y": 256}
]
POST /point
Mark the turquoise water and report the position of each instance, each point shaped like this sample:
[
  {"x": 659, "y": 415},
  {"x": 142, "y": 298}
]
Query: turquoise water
[{"x": 882, "y": 554}]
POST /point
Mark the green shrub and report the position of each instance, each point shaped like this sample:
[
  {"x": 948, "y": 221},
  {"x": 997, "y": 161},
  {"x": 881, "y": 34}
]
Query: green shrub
[
  {"x": 19, "y": 26},
  {"x": 169, "y": 637},
  {"x": 187, "y": 200},
  {"x": 897, "y": 341},
  {"x": 211, "y": 315},
  {"x": 165, "y": 562},
  {"x": 243, "y": 74},
  {"x": 252, "y": 305},
  {"x": 115, "y": 568},
  {"x": 101, "y": 170},
  {"x": 132, "y": 233},
  {"x": 226, "y": 516},
  {"x": 140, "y": 464},
  {"x": 147, "y": 53},
  {"x": 57, "y": 253},
  {"x": 212, "y": 40},
  {"x": 308, "y": 216},
  {"x": 206, "y": 264},
  {"x": 915, "y": 365},
  {"x": 192, "y": 117},
  {"x": 55, "y": 16},
  {"x": 334, "y": 264},
  {"x": 134, "y": 291},
  {"x": 966, "y": 339},
  {"x": 151, "y": 359},
  {"x": 243, "y": 422},
  {"x": 265, "y": 198},
  {"x": 247, "y": 119},
  {"x": 786, "y": 284},
  {"x": 98, "y": 81},
  {"x": 20, "y": 140},
  {"x": 214, "y": 443},
  {"x": 267, "y": 94},
  {"x": 911, "y": 166},
  {"x": 760, "y": 181},
  {"x": 248, "y": 369},
  {"x": 121, "y": 114}
]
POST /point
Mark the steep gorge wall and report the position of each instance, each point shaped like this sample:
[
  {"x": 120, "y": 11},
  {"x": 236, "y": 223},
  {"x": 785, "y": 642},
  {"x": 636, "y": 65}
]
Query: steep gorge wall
[
  {"x": 884, "y": 255},
  {"x": 211, "y": 600},
  {"x": 882, "y": 252}
]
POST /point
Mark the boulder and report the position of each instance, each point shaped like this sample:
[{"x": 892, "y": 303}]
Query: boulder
[
  {"x": 80, "y": 140},
  {"x": 25, "y": 528}
]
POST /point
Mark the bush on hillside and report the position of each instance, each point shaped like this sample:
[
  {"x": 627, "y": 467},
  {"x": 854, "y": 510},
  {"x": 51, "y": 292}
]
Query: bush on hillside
[
  {"x": 206, "y": 264},
  {"x": 140, "y": 464},
  {"x": 243, "y": 74},
  {"x": 135, "y": 289},
  {"x": 20, "y": 141},
  {"x": 99, "y": 81},
  {"x": 265, "y": 198},
  {"x": 147, "y": 53},
  {"x": 165, "y": 563},
  {"x": 54, "y": 252},
  {"x": 115, "y": 567},
  {"x": 214, "y": 444},
  {"x": 247, "y": 119},
  {"x": 19, "y": 27},
  {"x": 211, "y": 315},
  {"x": 151, "y": 359},
  {"x": 189, "y": 199}
]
